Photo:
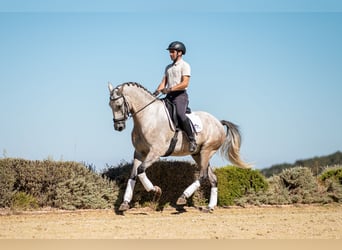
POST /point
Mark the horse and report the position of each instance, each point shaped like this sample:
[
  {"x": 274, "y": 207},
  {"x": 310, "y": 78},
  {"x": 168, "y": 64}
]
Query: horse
[{"x": 151, "y": 136}]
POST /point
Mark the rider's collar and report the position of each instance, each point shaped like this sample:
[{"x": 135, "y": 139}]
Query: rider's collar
[{"x": 177, "y": 62}]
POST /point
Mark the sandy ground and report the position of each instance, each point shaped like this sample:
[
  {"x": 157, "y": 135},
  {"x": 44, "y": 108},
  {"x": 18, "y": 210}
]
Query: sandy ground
[{"x": 286, "y": 222}]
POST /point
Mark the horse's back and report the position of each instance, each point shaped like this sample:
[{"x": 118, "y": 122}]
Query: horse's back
[
  {"x": 212, "y": 127},
  {"x": 207, "y": 118}
]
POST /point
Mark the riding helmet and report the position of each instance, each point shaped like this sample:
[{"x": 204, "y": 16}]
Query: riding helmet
[{"x": 176, "y": 45}]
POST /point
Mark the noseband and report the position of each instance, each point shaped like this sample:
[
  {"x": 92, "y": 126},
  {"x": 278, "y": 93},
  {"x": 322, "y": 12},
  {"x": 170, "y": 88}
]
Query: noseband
[
  {"x": 127, "y": 112},
  {"x": 126, "y": 109}
]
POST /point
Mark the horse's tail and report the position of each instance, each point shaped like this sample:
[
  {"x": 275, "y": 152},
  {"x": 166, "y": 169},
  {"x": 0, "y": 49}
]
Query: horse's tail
[{"x": 231, "y": 146}]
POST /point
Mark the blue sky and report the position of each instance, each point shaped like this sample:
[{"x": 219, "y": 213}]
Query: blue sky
[{"x": 273, "y": 69}]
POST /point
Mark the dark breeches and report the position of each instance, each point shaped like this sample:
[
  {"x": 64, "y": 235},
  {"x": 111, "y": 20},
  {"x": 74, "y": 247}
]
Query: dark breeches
[{"x": 181, "y": 100}]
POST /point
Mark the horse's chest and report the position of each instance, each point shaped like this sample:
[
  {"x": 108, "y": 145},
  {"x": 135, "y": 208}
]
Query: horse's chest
[
  {"x": 140, "y": 142},
  {"x": 145, "y": 141}
]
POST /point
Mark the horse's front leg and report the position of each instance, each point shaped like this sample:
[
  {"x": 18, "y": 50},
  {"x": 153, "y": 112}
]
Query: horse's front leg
[
  {"x": 141, "y": 171},
  {"x": 130, "y": 184},
  {"x": 140, "y": 164}
]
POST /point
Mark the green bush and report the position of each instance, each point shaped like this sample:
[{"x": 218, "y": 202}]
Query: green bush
[
  {"x": 234, "y": 183},
  {"x": 334, "y": 173},
  {"x": 332, "y": 179},
  {"x": 23, "y": 201}
]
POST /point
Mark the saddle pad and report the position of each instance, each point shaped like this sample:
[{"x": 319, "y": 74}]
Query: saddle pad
[{"x": 196, "y": 122}]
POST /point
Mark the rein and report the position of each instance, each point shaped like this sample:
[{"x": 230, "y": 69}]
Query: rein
[
  {"x": 128, "y": 114},
  {"x": 155, "y": 99}
]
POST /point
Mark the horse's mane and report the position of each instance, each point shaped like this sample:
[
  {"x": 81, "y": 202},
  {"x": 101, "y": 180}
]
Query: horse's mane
[{"x": 136, "y": 85}]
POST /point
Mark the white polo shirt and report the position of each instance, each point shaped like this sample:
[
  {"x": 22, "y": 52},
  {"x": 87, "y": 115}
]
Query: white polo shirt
[{"x": 175, "y": 71}]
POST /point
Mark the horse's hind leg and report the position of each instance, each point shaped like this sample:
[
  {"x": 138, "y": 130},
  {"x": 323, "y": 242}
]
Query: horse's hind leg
[
  {"x": 182, "y": 200},
  {"x": 213, "y": 192},
  {"x": 206, "y": 172}
]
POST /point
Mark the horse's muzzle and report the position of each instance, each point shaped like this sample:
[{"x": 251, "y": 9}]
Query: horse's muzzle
[{"x": 119, "y": 126}]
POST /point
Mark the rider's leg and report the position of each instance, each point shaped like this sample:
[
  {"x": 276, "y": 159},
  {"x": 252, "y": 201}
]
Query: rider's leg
[
  {"x": 189, "y": 132},
  {"x": 181, "y": 101}
]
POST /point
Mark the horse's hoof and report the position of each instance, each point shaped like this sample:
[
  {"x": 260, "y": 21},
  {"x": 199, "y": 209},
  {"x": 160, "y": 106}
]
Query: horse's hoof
[
  {"x": 157, "y": 190},
  {"x": 206, "y": 210},
  {"x": 181, "y": 200},
  {"x": 124, "y": 206},
  {"x": 157, "y": 193}
]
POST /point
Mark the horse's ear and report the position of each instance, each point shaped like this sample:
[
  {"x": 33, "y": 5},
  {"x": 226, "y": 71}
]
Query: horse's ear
[{"x": 110, "y": 87}]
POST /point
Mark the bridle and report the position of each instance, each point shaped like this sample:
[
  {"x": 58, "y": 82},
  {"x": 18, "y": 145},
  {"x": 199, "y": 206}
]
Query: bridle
[{"x": 127, "y": 113}]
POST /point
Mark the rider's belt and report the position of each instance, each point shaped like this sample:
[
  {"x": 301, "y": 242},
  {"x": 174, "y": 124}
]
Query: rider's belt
[{"x": 174, "y": 94}]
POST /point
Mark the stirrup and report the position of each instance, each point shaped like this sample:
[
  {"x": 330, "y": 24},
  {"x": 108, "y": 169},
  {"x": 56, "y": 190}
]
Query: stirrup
[{"x": 192, "y": 146}]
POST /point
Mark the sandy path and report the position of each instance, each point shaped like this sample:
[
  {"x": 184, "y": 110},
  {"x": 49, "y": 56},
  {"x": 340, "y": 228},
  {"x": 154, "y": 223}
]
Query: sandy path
[{"x": 302, "y": 222}]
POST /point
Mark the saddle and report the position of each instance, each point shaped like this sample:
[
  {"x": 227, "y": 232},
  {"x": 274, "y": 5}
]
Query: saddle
[
  {"x": 171, "y": 112},
  {"x": 170, "y": 109}
]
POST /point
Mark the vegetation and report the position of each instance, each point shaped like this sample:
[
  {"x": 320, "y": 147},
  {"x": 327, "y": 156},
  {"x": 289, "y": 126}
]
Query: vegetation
[
  {"x": 69, "y": 185},
  {"x": 173, "y": 177},
  {"x": 332, "y": 179},
  {"x": 316, "y": 164},
  {"x": 296, "y": 186},
  {"x": 235, "y": 182}
]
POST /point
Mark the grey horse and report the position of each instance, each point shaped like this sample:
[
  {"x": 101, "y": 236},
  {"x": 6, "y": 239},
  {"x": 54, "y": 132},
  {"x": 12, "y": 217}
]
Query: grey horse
[{"x": 152, "y": 134}]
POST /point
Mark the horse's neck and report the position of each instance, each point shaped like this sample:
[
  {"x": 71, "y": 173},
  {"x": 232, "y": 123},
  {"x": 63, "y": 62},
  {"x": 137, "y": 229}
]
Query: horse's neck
[
  {"x": 144, "y": 107},
  {"x": 138, "y": 98}
]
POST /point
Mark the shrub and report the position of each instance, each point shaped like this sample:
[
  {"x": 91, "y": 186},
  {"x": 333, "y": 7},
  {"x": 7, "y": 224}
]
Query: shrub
[
  {"x": 294, "y": 185},
  {"x": 83, "y": 190},
  {"x": 173, "y": 177},
  {"x": 233, "y": 183},
  {"x": 23, "y": 201},
  {"x": 7, "y": 180},
  {"x": 332, "y": 179},
  {"x": 57, "y": 184},
  {"x": 334, "y": 173},
  {"x": 301, "y": 185}
]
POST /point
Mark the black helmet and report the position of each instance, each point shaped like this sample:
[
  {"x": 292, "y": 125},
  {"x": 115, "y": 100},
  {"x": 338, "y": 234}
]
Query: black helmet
[{"x": 179, "y": 46}]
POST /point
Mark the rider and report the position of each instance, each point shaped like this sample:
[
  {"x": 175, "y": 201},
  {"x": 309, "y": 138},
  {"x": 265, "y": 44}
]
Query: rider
[{"x": 174, "y": 84}]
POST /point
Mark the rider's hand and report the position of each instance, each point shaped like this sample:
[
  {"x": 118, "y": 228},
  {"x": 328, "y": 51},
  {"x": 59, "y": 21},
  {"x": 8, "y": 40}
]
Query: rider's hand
[
  {"x": 156, "y": 93},
  {"x": 166, "y": 90}
]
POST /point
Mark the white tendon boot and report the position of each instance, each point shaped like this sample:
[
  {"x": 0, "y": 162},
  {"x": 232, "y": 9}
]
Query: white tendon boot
[
  {"x": 129, "y": 190},
  {"x": 146, "y": 182},
  {"x": 128, "y": 195},
  {"x": 187, "y": 193},
  {"x": 213, "y": 198},
  {"x": 191, "y": 189}
]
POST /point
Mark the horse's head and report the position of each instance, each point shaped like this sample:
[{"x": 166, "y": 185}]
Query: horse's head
[{"x": 119, "y": 107}]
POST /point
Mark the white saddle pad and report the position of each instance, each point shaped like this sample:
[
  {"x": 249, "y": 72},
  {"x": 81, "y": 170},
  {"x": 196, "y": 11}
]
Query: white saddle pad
[{"x": 196, "y": 122}]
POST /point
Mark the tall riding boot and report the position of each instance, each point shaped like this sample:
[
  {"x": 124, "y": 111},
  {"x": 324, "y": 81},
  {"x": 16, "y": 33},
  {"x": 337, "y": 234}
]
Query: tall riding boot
[{"x": 190, "y": 134}]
